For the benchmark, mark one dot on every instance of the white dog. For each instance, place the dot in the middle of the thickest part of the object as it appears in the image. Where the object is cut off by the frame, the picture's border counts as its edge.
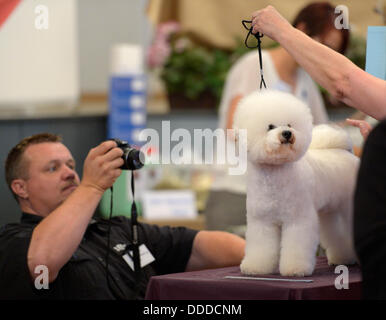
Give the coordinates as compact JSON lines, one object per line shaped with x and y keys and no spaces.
{"x":300,"y":184}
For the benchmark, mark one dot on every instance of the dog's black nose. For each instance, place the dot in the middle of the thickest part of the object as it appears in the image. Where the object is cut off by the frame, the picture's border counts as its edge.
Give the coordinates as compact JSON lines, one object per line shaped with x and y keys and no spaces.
{"x":287,"y":134}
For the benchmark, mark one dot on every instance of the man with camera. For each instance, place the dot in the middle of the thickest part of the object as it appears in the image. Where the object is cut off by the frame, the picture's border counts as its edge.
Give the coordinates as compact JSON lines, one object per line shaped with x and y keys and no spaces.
{"x":57,"y":230}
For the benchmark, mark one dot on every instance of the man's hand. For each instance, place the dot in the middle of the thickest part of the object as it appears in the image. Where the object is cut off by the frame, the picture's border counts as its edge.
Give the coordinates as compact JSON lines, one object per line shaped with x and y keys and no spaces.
{"x":269,"y":22}
{"x":101,"y":167}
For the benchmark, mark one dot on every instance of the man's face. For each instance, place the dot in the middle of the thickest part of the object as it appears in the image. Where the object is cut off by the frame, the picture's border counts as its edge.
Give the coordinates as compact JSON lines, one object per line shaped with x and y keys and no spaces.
{"x":51,"y":176}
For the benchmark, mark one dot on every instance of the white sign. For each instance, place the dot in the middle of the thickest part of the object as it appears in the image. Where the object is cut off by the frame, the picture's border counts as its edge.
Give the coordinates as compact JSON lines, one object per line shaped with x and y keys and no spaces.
{"x":169,"y":204}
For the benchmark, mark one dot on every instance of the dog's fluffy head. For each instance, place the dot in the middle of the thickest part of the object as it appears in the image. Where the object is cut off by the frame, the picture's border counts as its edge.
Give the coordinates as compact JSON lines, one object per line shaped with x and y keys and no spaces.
{"x":279,"y":126}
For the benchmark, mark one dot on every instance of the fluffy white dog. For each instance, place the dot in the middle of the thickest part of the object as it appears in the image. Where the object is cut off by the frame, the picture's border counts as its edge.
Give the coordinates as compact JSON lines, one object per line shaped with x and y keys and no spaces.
{"x":300,"y":184}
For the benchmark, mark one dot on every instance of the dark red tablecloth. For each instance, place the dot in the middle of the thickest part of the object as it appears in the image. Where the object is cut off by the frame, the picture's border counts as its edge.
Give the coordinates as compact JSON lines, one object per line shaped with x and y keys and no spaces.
{"x":212,"y":285}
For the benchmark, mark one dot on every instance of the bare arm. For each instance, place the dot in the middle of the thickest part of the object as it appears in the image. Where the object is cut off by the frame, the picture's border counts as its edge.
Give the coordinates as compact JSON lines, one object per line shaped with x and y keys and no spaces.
{"x":343,"y":79}
{"x":57,"y":236}
{"x":215,"y":249}
{"x":232,"y":109}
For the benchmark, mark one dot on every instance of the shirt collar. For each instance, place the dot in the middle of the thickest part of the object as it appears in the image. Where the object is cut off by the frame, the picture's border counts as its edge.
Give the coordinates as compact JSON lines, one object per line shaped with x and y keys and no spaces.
{"x":30,"y":218}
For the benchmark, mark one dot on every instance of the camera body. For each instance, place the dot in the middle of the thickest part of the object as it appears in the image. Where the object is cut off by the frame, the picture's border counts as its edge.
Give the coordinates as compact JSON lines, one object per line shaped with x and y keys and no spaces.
{"x":133,"y":159}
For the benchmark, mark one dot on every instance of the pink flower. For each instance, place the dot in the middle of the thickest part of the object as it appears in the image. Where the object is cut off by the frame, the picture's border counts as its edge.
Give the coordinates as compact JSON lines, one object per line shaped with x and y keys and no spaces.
{"x":160,"y":49}
{"x":167,"y":28}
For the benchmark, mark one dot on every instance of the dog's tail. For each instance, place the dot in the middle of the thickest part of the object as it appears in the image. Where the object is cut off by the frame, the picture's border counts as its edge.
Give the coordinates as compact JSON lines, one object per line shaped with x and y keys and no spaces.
{"x":330,"y":137}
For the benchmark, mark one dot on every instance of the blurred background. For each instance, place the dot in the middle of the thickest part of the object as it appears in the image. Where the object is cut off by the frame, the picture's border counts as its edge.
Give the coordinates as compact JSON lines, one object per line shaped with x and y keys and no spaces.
{"x":58,"y":60}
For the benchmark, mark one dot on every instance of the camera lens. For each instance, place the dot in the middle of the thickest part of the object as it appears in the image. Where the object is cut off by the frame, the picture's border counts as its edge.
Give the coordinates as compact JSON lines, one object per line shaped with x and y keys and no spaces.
{"x":133,"y":159}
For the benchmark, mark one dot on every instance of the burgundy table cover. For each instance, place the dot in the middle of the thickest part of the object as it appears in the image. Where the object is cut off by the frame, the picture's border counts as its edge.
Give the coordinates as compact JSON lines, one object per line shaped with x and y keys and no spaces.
{"x":211,"y":285}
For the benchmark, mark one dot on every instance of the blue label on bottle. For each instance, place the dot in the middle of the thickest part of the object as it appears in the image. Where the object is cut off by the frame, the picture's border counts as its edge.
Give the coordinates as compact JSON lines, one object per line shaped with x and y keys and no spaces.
{"x":127,"y":108}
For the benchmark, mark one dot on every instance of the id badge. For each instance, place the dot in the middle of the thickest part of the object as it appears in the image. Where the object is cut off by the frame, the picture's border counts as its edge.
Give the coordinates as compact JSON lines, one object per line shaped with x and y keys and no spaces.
{"x":145,"y":256}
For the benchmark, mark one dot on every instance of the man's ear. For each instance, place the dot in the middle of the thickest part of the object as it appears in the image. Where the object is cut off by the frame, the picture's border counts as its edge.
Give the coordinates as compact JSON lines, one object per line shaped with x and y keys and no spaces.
{"x":19,"y":187}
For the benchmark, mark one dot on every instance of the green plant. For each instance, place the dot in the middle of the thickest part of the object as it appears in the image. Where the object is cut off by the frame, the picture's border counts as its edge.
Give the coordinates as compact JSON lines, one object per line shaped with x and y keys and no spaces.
{"x":356,"y":50}
{"x":192,"y":70}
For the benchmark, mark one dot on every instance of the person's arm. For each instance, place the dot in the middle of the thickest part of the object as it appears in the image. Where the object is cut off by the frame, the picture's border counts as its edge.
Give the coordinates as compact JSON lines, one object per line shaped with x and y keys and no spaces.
{"x":57,"y":236}
{"x":215,"y":249}
{"x":232,"y":109}
{"x":333,"y":71}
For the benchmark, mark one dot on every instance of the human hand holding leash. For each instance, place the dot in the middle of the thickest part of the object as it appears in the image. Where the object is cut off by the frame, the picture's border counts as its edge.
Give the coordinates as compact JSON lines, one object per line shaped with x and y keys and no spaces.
{"x":269,"y":22}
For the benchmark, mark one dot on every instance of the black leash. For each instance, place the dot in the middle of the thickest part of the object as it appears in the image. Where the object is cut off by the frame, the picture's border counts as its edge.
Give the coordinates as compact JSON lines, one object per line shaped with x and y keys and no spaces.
{"x":258,"y":36}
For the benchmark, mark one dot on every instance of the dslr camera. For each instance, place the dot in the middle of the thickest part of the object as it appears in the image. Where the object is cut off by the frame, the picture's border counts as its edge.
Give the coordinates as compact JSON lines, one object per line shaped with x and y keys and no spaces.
{"x":133,"y":159}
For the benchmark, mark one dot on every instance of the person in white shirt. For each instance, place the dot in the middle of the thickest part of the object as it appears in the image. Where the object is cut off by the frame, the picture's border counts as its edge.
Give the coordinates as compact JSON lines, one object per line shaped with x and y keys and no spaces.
{"x":244,"y":78}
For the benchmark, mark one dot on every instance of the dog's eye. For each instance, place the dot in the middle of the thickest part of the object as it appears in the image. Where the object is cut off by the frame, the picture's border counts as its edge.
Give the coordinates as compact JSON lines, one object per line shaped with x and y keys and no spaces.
{"x":271,"y":126}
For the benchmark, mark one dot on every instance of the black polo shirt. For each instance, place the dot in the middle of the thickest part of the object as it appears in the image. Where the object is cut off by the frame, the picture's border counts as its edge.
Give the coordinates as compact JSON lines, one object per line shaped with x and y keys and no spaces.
{"x":84,"y":275}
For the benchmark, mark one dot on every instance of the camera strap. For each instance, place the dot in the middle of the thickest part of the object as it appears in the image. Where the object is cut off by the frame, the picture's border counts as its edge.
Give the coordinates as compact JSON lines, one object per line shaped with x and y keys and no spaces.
{"x":134,"y":246}
{"x":134,"y":232}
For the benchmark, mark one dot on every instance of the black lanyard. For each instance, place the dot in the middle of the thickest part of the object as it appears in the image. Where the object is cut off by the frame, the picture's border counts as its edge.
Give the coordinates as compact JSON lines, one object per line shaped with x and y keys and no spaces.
{"x":134,"y":246}
{"x":134,"y":232}
{"x":258,"y":36}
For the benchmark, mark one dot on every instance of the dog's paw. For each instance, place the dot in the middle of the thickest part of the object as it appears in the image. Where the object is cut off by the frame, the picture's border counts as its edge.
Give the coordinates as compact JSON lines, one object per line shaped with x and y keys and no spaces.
{"x":252,"y":267}
{"x":296,"y":268}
